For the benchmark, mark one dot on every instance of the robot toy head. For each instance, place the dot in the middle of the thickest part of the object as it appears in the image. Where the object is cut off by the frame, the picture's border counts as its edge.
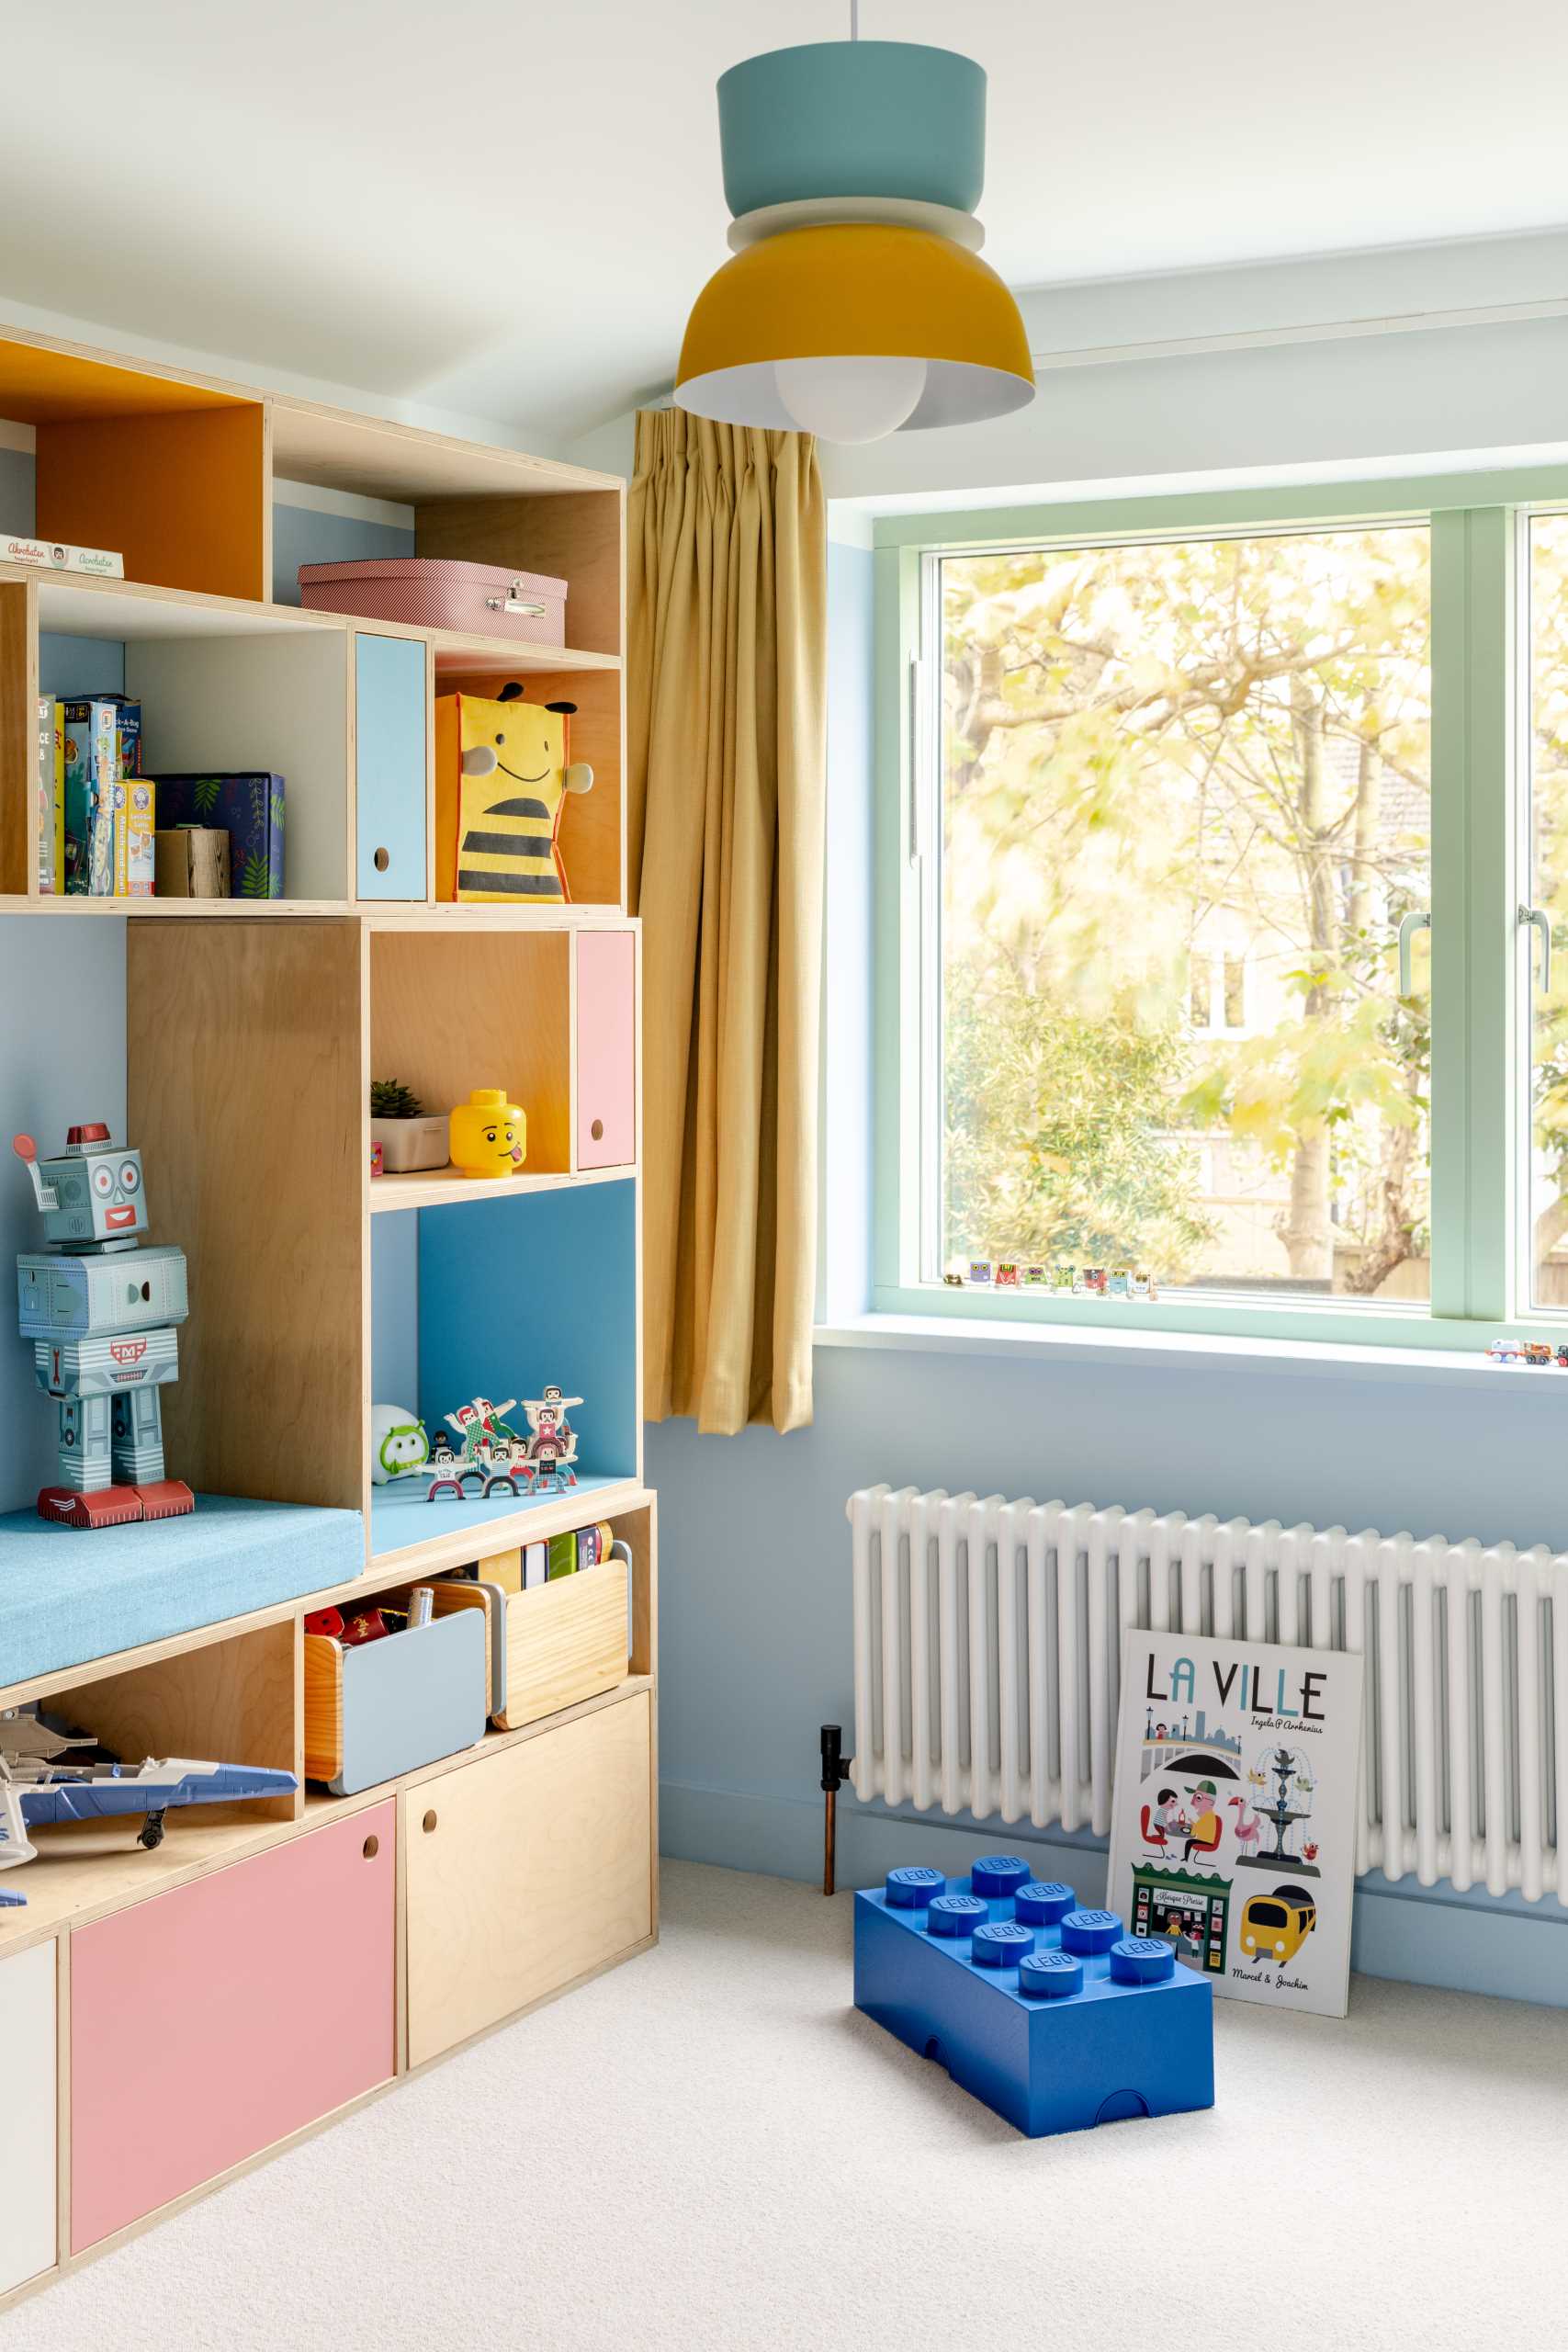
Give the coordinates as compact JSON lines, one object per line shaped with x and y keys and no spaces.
{"x":91,"y":1196}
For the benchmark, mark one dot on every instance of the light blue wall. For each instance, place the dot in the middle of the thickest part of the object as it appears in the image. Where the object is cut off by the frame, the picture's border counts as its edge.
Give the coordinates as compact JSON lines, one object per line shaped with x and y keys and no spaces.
{"x":62,"y":1062}
{"x":755,"y":1613}
{"x":80,"y":665}
{"x":756,"y":1630}
{"x":301,"y":535}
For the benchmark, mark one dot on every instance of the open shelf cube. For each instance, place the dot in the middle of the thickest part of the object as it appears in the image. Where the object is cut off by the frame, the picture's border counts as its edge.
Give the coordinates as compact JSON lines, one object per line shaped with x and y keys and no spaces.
{"x":477,"y":506}
{"x":495,"y":1298}
{"x":225,"y":688}
{"x":167,"y":470}
{"x":592,"y":824}
{"x":450,"y":1011}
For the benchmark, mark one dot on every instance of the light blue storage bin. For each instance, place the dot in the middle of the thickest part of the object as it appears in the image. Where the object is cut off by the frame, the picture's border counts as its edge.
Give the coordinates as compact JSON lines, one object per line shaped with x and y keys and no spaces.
{"x":407,"y":1700}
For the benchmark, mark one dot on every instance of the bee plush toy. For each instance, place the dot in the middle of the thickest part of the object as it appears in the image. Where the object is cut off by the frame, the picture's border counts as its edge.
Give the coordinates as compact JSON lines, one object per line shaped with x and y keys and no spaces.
{"x":503,"y":771}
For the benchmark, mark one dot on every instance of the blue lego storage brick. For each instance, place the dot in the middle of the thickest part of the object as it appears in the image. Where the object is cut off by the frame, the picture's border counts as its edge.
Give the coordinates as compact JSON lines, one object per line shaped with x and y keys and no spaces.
{"x":1052,"y":2015}
{"x":69,"y":1595}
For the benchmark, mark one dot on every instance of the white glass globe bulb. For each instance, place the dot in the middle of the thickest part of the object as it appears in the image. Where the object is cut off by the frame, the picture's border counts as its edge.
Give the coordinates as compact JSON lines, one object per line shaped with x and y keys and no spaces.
{"x":850,"y":399}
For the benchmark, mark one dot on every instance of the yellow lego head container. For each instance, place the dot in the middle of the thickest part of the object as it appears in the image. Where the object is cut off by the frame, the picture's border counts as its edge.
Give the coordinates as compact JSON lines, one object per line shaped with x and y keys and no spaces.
{"x":501,"y":775}
{"x":490,"y":1135}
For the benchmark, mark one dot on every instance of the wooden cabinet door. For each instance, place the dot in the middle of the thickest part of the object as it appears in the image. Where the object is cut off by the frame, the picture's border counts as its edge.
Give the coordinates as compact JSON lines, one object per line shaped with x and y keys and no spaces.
{"x":607,"y":1048}
{"x":209,"y":2023}
{"x":524,"y":1871}
{"x":27,"y":2115}
{"x":389,"y":766}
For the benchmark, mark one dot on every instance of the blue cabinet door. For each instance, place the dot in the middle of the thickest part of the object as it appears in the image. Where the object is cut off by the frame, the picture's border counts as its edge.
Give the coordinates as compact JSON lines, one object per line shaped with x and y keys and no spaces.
{"x":389,"y":724}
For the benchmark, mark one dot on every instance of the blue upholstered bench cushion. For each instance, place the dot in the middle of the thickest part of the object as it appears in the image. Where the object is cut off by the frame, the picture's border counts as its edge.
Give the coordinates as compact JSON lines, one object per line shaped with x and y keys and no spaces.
{"x":68,"y":1594}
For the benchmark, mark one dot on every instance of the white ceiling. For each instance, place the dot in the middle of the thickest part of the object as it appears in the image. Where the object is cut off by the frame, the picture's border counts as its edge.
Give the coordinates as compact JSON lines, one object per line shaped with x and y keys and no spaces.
{"x":505,"y":209}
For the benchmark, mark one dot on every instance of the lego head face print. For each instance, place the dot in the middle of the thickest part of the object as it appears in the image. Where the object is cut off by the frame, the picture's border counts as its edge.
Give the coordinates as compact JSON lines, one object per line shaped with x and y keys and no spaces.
{"x":1232,"y":1826}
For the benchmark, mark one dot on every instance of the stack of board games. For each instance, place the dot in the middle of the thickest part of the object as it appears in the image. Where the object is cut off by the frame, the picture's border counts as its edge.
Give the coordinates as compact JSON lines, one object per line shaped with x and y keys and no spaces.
{"x":104,"y":825}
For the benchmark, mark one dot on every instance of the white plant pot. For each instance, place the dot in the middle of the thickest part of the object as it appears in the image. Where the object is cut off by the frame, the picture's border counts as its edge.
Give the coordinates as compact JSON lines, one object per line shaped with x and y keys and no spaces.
{"x":408,"y":1145}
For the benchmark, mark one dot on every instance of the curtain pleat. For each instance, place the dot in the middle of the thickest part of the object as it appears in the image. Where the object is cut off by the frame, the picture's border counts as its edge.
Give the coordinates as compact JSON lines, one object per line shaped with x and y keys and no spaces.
{"x":727,"y":565}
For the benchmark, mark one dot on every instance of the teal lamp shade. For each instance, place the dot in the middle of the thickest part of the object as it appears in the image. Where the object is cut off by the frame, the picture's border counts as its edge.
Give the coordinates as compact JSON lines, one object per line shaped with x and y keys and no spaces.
{"x":853,"y":118}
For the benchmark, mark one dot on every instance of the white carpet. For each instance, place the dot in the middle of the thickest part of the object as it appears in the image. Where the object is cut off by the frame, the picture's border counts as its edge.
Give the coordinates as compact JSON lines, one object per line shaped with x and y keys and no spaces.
{"x":708,"y":2148}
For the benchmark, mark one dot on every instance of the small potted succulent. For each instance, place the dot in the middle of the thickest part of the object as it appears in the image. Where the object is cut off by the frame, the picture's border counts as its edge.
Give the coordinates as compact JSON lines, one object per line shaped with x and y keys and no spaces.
{"x":410,"y":1137}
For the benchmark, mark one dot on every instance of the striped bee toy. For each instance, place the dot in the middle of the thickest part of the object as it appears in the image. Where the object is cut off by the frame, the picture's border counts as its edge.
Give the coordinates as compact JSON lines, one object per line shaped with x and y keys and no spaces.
{"x":503,"y":771}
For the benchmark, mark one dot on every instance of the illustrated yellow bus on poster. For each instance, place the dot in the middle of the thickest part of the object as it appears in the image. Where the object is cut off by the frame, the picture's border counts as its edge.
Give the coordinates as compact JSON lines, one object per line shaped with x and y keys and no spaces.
{"x":1234,"y":1816}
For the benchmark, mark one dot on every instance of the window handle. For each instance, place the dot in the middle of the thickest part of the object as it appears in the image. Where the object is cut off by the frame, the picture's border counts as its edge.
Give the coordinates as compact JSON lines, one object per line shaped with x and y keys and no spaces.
{"x":1407,"y":931}
{"x":1539,"y":919}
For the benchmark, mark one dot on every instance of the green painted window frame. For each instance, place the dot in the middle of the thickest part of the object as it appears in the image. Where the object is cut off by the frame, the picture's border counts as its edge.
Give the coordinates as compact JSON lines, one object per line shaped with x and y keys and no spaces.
{"x":1479,"y":973}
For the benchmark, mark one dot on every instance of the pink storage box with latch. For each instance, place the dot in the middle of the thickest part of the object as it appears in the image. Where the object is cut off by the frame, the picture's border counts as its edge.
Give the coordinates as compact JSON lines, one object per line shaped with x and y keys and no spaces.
{"x":481,"y":599}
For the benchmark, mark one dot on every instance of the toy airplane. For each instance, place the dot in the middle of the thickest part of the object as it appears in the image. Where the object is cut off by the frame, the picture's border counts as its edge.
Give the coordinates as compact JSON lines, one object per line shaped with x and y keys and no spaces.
{"x":40,"y":1784}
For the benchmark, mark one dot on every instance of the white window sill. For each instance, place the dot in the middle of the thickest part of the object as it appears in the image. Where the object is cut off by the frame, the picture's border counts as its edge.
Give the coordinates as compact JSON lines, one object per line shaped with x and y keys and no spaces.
{"x":1185,"y":1350}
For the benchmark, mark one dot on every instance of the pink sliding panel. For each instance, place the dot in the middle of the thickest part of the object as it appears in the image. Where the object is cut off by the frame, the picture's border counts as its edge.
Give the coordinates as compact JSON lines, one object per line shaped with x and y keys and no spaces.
{"x":607,"y":1048}
{"x":209,"y":2023}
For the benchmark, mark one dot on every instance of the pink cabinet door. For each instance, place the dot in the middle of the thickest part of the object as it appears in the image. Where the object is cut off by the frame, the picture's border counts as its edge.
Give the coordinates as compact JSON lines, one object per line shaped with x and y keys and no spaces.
{"x":607,"y":1048}
{"x":210,"y":2022}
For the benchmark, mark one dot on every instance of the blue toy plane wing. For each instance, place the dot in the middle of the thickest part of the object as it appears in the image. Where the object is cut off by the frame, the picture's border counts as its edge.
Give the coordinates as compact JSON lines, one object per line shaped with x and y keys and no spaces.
{"x":116,"y":1791}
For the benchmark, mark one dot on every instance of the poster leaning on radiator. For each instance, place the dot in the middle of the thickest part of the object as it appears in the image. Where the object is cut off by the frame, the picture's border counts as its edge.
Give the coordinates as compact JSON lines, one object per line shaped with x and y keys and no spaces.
{"x":1233,"y":1827}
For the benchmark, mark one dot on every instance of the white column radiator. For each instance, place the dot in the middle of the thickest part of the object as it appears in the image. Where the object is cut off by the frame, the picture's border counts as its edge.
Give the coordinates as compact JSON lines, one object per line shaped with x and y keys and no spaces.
{"x":987,"y":1663}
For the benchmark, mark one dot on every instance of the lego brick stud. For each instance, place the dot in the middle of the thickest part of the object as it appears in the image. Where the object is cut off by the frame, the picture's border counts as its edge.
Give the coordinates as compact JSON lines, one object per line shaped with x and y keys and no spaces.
{"x":912,"y":1888}
{"x":1050,"y":1976}
{"x":1141,"y":1960}
{"x":995,"y":1876}
{"x":957,"y":1915}
{"x":1089,"y":1931}
{"x":1043,"y":1903}
{"x":1001,"y":1945}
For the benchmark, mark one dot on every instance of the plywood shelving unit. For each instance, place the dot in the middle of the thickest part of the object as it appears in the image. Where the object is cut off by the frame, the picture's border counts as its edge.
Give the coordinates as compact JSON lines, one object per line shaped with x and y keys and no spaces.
{"x":475,"y":1885}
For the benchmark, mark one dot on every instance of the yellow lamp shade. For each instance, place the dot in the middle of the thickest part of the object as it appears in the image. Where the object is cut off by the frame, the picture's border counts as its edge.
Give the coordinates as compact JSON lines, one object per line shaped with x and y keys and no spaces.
{"x":854,"y":330}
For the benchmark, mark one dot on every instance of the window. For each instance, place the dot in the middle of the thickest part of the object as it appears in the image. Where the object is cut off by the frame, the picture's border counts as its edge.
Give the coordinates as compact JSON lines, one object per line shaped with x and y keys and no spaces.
{"x":1232,"y":848}
{"x":1167,"y":768}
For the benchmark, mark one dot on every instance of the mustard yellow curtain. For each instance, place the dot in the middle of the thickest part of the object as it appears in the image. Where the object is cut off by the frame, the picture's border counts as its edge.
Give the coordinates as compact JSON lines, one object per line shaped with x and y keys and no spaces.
{"x":727,"y":695}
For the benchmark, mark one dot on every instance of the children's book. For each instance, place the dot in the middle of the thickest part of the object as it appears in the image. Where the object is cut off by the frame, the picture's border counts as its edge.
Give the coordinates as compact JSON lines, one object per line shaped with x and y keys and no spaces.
{"x":92,"y":762}
{"x":1233,"y":1829}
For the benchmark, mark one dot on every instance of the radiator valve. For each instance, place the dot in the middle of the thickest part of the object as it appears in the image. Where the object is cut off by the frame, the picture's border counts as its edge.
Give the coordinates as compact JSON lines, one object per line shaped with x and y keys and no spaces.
{"x":835,"y":1772}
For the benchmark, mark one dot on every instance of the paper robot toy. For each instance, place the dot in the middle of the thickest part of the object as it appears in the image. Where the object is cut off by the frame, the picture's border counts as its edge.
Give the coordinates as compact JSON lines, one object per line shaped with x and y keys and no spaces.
{"x":102,"y":1324}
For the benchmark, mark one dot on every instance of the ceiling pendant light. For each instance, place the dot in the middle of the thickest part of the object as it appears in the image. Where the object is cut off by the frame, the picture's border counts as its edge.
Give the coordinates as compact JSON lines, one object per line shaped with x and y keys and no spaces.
{"x":856,"y":303}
